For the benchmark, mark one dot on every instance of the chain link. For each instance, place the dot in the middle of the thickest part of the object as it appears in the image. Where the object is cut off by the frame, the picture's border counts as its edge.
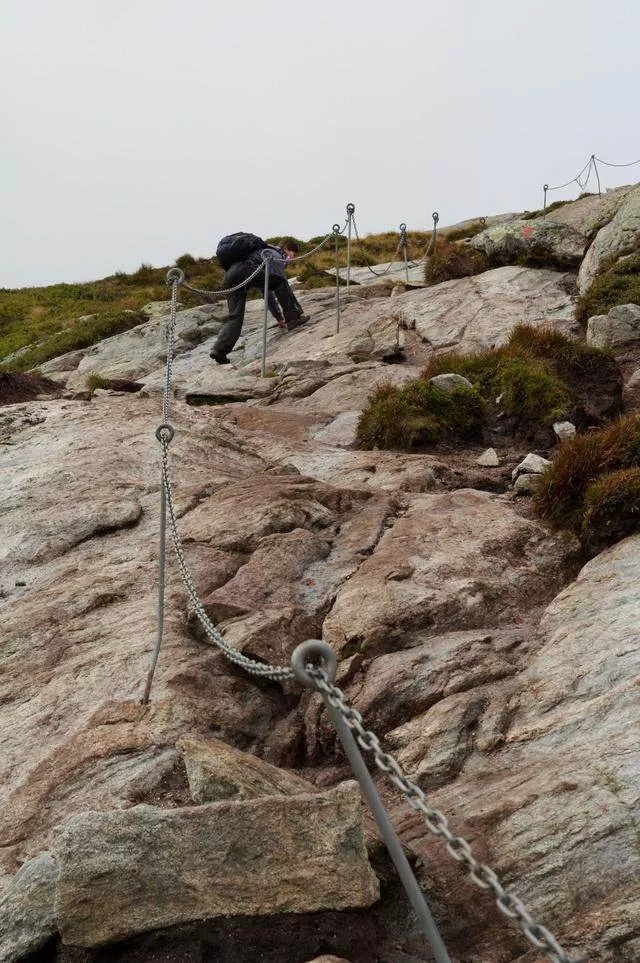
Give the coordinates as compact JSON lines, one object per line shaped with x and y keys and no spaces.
{"x":457,"y":847}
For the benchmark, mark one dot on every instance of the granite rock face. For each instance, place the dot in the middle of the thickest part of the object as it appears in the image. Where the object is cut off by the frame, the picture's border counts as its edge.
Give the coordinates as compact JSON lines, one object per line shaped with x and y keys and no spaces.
{"x":619,"y":235}
{"x":541,"y":238}
{"x":473,"y":314}
{"x":147,"y":868}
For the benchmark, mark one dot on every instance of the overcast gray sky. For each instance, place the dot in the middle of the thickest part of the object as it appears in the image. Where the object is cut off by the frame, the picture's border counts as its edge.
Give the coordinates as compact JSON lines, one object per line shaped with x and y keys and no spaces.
{"x":137,"y":130}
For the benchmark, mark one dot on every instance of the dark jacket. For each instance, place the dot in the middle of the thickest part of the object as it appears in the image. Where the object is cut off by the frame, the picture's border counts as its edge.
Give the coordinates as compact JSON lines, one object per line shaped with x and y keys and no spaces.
{"x":277,"y":274}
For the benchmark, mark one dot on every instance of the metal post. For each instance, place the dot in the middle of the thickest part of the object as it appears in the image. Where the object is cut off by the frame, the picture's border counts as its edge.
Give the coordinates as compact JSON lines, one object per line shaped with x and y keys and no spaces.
{"x":403,"y":241}
{"x":436,"y":218}
{"x":545,"y":188}
{"x":595,"y":167}
{"x":336,"y":237}
{"x":351,"y":209}
{"x":156,"y":652}
{"x":266,"y":257}
{"x":308,"y":652}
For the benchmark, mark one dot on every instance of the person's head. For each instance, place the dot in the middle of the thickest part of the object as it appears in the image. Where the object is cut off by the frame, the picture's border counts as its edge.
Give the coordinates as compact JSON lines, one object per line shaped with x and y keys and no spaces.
{"x":290,"y":246}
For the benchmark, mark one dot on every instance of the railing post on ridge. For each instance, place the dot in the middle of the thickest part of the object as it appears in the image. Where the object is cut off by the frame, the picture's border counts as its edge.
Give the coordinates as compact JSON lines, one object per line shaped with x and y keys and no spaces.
{"x":336,"y":235}
{"x":266,"y":257}
{"x":351,"y":209}
{"x":403,"y":241}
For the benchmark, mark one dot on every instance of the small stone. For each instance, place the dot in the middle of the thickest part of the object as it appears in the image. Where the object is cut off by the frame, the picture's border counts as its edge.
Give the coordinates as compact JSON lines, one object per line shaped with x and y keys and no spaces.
{"x":531,"y":465}
{"x":526,"y":484}
{"x":401,"y":573}
{"x":449,"y":382}
{"x":564,"y":430}
{"x":488,"y":459}
{"x":215,"y":770}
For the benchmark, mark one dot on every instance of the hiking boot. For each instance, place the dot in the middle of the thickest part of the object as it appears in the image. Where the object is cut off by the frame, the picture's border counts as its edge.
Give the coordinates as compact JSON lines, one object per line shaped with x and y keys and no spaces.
{"x":219,"y":357}
{"x":297,"y":322}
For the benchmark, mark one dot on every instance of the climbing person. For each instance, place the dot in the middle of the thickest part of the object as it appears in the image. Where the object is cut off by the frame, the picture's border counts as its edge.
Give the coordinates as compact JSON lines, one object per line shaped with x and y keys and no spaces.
{"x":240,"y":254}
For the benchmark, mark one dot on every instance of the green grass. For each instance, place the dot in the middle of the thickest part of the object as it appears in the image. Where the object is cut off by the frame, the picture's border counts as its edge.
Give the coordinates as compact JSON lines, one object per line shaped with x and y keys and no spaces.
{"x":532,"y":215}
{"x":619,"y":283}
{"x":452,"y":260}
{"x":536,"y":375}
{"x":460,"y":233}
{"x":418,"y":415}
{"x":593,"y":484}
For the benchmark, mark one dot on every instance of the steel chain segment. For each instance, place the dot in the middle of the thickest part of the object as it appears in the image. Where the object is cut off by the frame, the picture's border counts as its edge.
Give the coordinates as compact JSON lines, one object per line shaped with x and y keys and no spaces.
{"x":457,"y":847}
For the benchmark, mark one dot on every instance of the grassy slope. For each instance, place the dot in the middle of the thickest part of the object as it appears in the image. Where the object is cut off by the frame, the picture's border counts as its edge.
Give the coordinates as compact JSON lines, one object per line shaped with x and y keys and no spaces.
{"x":46,"y":321}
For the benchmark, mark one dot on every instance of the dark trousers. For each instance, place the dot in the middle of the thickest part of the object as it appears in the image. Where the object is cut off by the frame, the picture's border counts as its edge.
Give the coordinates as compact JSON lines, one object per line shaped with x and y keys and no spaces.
{"x":236,"y":302}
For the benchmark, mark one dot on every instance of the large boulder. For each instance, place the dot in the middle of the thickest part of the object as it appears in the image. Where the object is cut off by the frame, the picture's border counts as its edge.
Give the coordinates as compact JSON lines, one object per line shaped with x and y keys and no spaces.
{"x":543,"y":240}
{"x":135,"y":353}
{"x":619,"y":236}
{"x":123,"y":873}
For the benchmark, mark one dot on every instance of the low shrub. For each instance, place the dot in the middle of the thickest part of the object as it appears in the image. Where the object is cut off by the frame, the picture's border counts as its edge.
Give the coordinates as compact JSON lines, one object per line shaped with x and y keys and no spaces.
{"x":540,"y":375}
{"x":618,"y":284}
{"x":452,"y":260}
{"x":578,"y":463}
{"x":611,"y":508}
{"x":529,"y":393}
{"x":97,"y":381}
{"x":17,"y":386}
{"x":418,"y":415}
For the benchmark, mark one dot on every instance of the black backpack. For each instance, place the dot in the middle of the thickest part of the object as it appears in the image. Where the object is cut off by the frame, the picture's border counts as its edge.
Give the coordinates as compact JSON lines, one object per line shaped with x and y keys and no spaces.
{"x":237,"y":247}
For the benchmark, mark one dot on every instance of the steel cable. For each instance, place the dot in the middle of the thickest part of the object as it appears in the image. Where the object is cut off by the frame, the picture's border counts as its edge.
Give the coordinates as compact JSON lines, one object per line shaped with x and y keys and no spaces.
{"x":607,"y":164}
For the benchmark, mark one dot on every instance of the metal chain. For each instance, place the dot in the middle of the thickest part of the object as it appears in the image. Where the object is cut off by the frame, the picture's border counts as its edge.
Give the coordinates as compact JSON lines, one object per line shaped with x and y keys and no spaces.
{"x":223,"y":291}
{"x":322,"y":243}
{"x":164,"y":434}
{"x":378,"y":274}
{"x":457,"y":847}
